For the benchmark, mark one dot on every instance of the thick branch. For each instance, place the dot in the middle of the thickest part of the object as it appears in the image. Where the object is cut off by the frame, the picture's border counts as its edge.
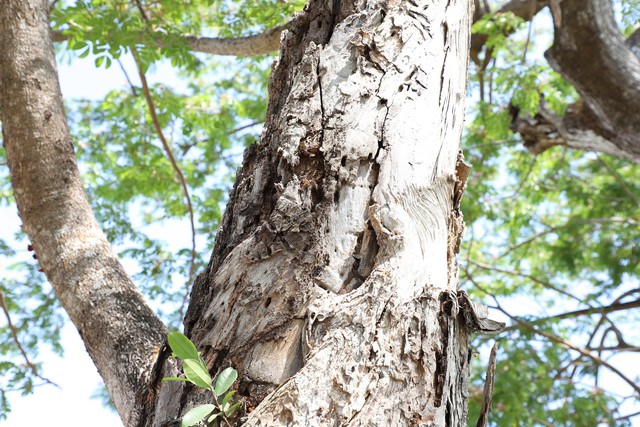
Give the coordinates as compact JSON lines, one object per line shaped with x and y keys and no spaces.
{"x":258,"y":44}
{"x":575,"y":129}
{"x":119,"y":330}
{"x":578,"y":128}
{"x":591,"y":54}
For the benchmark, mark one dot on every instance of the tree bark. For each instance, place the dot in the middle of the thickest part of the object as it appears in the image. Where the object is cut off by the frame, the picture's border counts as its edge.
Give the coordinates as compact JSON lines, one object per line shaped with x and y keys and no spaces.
{"x":332,"y":286}
{"x":120,"y":332}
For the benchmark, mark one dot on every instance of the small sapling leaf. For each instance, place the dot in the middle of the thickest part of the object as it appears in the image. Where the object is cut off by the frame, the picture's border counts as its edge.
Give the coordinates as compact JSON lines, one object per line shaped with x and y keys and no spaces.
{"x":225,"y":400}
{"x":196,"y":373}
{"x":195,"y":415}
{"x":182,"y":347}
{"x":214,"y":416}
{"x":225,"y":379}
{"x":230,"y":411}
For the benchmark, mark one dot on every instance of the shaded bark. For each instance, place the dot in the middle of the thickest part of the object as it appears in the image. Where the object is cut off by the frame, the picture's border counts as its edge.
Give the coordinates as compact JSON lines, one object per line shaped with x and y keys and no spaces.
{"x":120,"y":332}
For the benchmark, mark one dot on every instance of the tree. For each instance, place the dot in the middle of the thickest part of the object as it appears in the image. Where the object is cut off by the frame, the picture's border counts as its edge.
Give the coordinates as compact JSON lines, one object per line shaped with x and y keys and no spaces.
{"x":326,"y":261}
{"x":323,"y":286}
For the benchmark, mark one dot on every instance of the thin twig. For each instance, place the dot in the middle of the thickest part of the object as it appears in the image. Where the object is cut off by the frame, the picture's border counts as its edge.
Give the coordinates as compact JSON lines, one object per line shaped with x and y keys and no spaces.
{"x":594,"y":310}
{"x":187,"y":147}
{"x":626,"y":417}
{"x":573,"y":222}
{"x":625,"y":348}
{"x":14,"y":335}
{"x":619,"y":180}
{"x":491,"y":71}
{"x":566,"y":344}
{"x":143,"y":12}
{"x":126,"y":76}
{"x":176,"y":168}
{"x":526,"y":45}
{"x":526,"y":276}
{"x":604,"y":317}
{"x":522,"y":181}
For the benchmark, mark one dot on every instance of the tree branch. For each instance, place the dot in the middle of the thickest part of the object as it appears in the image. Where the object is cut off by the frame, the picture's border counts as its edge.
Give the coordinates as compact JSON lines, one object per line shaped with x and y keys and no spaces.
{"x":121,"y":333}
{"x":525,"y":9}
{"x":174,"y":165}
{"x":593,"y":310}
{"x":487,"y":394}
{"x":520,"y":274}
{"x":258,"y":44}
{"x":564,"y":343}
{"x":574,"y":222}
{"x":592,"y":55}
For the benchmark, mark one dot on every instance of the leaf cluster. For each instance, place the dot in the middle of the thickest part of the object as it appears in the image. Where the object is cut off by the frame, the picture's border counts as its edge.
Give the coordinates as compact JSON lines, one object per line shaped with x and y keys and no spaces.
{"x":196,"y":373}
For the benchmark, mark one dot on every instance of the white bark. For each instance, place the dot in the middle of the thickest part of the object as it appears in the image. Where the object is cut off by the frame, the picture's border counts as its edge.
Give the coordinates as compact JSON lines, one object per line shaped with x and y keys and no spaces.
{"x":333,"y":284}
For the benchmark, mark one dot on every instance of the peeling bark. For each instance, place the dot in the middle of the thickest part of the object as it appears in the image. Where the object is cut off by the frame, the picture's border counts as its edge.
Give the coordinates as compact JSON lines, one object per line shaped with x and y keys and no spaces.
{"x":574,"y":129}
{"x":332,"y":287}
{"x":120,"y":332}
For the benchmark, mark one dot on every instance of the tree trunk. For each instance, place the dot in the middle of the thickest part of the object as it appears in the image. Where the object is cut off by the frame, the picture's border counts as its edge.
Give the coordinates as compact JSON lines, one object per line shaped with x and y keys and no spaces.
{"x":332,"y":287}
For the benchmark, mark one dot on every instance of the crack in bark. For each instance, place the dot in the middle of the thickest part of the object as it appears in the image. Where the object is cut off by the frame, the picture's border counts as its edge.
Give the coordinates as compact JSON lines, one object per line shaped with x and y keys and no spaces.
{"x":445,"y":28}
{"x":381,"y":140}
{"x":149,"y":396}
{"x":322,"y":112}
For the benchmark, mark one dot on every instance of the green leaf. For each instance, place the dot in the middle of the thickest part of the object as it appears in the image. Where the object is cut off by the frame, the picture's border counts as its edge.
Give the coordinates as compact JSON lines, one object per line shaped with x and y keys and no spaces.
{"x":230,"y":411}
{"x":175,"y":379}
{"x":225,"y":400}
{"x":197,"y":373}
{"x":182,"y":346}
{"x":214,"y":416}
{"x":195,"y":415}
{"x":224,"y":380}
